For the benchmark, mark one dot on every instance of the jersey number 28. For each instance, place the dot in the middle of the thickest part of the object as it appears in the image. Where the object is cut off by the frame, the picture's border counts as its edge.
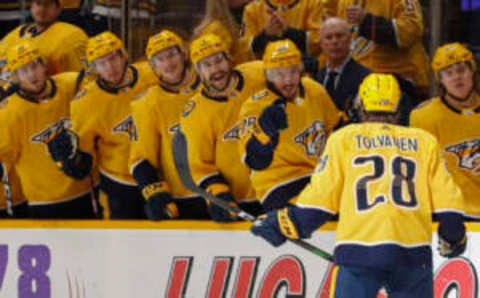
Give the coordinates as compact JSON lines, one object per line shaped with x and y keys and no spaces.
{"x":403,"y":173}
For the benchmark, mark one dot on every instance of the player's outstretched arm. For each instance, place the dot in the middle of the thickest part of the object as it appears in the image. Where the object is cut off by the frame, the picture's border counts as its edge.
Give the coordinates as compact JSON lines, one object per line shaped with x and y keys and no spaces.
{"x":290,"y":222}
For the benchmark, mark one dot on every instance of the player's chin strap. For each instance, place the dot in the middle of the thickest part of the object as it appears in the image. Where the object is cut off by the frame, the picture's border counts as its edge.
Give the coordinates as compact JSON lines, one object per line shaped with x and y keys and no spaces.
{"x":181,"y":163}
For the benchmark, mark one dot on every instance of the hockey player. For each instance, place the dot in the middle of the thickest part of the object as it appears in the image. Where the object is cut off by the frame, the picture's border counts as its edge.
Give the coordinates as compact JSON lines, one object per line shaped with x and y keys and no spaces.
{"x":284,"y":127}
{"x":384,"y":181}
{"x":454,"y":118}
{"x":157,"y":118}
{"x":210,"y":124}
{"x":29,"y":119}
{"x":62,"y":44}
{"x":388,"y":38}
{"x":271,"y":20}
{"x":102,"y":126}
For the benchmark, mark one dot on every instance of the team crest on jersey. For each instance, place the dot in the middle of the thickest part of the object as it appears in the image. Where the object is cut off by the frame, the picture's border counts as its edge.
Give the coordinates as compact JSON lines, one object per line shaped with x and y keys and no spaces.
{"x":173,"y":129}
{"x":127,"y":126}
{"x":468,"y":154}
{"x":312,"y":138}
{"x":47,"y":134}
{"x":232,"y":134}
{"x":260,"y":95}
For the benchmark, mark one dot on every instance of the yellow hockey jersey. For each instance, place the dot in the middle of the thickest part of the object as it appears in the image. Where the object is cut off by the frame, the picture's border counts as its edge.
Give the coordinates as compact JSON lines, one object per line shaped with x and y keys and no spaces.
{"x":16,"y":192}
{"x":385,"y":182}
{"x":103,"y":120}
{"x":62,"y":44}
{"x":212,"y":129}
{"x":26,"y":127}
{"x":301,"y":14}
{"x":157,"y":118}
{"x":409,"y":59}
{"x":458,"y":133}
{"x":311,"y":118}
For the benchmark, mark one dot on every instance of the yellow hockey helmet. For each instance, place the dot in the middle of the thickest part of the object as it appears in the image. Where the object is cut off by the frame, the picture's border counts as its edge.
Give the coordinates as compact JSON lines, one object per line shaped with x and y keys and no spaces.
{"x":206,"y":45}
{"x":380,"y":93}
{"x":161,"y":41}
{"x":216,"y":27}
{"x":21,"y":54}
{"x":103,"y":44}
{"x":449,"y":54}
{"x":282,"y":53}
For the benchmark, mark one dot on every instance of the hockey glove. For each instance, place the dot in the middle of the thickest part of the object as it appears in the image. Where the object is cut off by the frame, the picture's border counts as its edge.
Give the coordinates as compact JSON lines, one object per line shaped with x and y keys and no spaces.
{"x":159,"y":203}
{"x":63,"y":146}
{"x":275,"y":227}
{"x":273,"y":119}
{"x":451,"y":250}
{"x":218,"y":213}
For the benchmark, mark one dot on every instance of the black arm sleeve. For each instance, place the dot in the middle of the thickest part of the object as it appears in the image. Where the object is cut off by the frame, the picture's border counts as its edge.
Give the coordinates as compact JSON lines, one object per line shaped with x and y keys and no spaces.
{"x":451,"y":226}
{"x":79,"y":166}
{"x":145,"y":173}
{"x":260,"y":156}
{"x":378,"y":29}
{"x":307,"y":220}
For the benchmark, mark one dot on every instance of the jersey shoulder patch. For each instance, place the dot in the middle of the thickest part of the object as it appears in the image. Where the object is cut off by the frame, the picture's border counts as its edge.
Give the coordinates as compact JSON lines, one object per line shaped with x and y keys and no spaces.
{"x":189,"y":107}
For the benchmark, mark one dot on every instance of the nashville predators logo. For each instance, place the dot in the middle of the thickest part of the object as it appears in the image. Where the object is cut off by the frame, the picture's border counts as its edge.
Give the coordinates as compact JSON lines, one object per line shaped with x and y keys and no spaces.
{"x":468,"y":154}
{"x":47,"y":134}
{"x":173,"y":129}
{"x":232,"y":134}
{"x":312,"y":138}
{"x":127,"y":126}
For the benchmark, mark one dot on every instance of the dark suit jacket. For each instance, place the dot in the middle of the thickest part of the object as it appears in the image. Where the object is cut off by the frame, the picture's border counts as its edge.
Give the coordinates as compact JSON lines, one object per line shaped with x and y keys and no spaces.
{"x":349,"y":81}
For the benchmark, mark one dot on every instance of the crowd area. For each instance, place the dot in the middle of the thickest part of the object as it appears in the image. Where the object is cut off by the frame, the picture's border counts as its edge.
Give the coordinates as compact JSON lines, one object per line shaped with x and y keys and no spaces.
{"x":257,"y":90}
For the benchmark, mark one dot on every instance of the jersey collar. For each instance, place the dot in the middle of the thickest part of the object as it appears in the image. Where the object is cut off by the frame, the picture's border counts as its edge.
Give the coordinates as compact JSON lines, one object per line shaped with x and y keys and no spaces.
{"x":460,"y":111}
{"x":239,"y":88}
{"x":193,"y":86}
{"x":31,"y":98}
{"x":114,"y":90}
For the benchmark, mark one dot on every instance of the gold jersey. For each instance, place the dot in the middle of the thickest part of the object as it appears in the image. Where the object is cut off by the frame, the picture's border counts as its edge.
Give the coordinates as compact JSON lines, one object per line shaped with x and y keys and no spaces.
{"x":212,"y":129}
{"x":16,"y":193}
{"x":306,"y":15}
{"x":409,"y":59}
{"x":103,"y":120}
{"x":63,"y":45}
{"x":458,"y":133}
{"x":157,"y":118}
{"x":311,"y":117}
{"x":386,"y":179}
{"x":27,"y":126}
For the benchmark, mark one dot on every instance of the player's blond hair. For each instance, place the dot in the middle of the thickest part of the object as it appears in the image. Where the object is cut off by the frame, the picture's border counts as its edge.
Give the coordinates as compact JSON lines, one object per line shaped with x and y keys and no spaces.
{"x":218,"y":10}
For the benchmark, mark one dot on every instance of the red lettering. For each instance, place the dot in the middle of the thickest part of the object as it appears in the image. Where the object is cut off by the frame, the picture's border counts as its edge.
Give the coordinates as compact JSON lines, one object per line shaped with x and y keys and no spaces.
{"x":326,"y":285}
{"x":285,"y":272}
{"x":456,"y":275}
{"x":178,"y":278}
{"x":247,"y":273}
{"x":218,"y":282}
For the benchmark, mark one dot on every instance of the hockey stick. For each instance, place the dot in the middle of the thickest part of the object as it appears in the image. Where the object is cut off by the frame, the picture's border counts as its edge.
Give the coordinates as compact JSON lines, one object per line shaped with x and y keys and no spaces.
{"x":8,"y":191}
{"x":181,"y":163}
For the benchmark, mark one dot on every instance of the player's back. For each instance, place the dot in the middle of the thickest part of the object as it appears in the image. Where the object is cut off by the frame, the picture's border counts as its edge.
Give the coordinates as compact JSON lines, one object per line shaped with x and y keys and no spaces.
{"x":384,"y":181}
{"x":387,"y":185}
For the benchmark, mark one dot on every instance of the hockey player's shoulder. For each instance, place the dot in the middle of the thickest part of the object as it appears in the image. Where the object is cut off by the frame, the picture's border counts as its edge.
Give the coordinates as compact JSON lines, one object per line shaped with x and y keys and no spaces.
{"x":67,"y":30}
{"x":427,"y":104}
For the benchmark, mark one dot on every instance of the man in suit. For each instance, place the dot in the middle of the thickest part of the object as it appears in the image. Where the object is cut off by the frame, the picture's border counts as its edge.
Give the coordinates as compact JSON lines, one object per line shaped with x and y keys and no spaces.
{"x":342,"y":75}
